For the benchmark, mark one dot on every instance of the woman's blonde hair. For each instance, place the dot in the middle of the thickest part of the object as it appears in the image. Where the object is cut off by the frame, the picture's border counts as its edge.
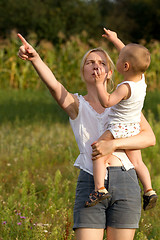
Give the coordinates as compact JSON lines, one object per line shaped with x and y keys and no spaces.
{"x":110,"y":63}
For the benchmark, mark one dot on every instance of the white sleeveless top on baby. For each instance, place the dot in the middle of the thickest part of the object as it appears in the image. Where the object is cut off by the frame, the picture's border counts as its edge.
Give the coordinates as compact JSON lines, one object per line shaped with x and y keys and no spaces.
{"x":88,"y":127}
{"x":124,"y":117}
{"x":129,"y":110}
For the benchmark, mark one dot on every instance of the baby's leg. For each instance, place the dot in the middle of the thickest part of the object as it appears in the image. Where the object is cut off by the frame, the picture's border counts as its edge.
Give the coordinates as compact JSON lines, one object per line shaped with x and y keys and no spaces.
{"x":141,"y":169}
{"x":99,"y":165}
{"x":150,"y":196}
{"x":99,"y":172}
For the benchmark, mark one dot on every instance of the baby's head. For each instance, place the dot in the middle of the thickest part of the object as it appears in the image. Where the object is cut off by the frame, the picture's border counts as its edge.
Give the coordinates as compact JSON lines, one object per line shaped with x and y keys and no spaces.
{"x":137,"y":56}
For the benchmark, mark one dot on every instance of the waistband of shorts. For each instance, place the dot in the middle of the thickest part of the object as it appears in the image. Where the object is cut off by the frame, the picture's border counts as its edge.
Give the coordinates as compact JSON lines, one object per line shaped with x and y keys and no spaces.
{"x":118,"y":168}
{"x":110,"y":169}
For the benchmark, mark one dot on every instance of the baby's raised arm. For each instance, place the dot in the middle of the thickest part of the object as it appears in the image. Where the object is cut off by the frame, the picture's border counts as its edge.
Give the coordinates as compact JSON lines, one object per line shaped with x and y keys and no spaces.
{"x":112,"y":37}
{"x":122,"y":92}
{"x":65,"y":99}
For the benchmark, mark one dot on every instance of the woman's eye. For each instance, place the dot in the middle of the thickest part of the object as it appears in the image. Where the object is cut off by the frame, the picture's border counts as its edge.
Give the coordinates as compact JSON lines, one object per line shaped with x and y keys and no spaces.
{"x":89,"y":63}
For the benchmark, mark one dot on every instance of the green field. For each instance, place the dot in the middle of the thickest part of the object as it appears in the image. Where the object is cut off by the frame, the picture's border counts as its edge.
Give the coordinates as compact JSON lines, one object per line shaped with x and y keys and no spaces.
{"x":38,"y":180}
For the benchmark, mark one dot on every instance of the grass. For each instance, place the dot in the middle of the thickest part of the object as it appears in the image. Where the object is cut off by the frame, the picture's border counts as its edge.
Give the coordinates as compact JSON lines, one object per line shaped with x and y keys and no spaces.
{"x":37,"y":153}
{"x":38,"y":180}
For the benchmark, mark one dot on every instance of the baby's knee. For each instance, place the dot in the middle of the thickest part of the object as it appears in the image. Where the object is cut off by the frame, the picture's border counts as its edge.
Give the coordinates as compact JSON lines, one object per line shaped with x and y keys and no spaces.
{"x":138,"y":164}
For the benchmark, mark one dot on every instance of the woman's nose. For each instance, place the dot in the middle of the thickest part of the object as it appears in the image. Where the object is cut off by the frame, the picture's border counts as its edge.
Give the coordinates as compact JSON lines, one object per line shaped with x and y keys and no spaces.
{"x":96,"y":66}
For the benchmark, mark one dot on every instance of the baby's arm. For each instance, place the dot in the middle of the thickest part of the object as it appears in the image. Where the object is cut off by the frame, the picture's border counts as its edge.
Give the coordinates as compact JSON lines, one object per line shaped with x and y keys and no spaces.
{"x":112,"y":37}
{"x":108,"y":100}
{"x":66,"y":100}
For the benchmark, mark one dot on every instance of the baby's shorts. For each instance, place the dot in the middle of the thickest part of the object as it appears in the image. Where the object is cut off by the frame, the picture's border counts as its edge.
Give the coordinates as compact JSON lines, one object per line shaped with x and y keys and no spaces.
{"x":122,"y":210}
{"x":123,"y":130}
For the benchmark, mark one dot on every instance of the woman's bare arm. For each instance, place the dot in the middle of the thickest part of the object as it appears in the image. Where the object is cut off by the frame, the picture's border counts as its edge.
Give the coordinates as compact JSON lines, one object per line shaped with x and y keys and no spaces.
{"x":65,"y":99}
{"x":145,"y":138}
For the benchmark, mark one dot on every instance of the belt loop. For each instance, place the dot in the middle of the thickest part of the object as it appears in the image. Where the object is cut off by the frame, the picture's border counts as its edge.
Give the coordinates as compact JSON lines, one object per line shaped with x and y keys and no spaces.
{"x":123,"y":168}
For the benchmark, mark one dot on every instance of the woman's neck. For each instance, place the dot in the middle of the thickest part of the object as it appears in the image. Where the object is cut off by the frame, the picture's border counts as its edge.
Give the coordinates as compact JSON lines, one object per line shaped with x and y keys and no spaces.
{"x":92,"y":98}
{"x":91,"y":95}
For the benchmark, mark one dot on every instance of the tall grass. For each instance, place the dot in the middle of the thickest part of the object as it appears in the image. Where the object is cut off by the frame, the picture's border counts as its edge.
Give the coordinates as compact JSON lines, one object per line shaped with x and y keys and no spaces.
{"x":37,"y":152}
{"x":64,"y":60}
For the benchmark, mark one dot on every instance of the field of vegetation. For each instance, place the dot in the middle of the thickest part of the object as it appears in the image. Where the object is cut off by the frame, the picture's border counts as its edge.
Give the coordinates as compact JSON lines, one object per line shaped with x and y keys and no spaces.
{"x":38,"y":149}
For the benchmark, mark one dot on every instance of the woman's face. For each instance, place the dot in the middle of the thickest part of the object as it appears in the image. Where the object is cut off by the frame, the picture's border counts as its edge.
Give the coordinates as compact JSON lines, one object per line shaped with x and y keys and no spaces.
{"x":94,"y":61}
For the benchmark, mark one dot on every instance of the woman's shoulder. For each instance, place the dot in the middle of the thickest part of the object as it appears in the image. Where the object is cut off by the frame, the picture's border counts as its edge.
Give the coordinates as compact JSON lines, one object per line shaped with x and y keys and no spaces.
{"x":79,"y":98}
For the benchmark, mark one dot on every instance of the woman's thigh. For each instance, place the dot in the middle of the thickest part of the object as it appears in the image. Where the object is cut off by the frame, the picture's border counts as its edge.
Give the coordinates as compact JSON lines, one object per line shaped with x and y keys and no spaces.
{"x":120,"y":234}
{"x":92,"y":217}
{"x":89,"y":233}
{"x":124,"y":209}
{"x":97,"y":234}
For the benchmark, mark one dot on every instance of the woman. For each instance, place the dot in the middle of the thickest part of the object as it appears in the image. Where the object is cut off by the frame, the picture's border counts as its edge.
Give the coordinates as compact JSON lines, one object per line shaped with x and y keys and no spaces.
{"x":119,"y":215}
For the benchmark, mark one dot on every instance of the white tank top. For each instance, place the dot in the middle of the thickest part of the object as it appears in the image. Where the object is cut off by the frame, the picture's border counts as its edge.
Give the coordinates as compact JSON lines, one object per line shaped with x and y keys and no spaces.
{"x":129,"y":110}
{"x":88,"y":127}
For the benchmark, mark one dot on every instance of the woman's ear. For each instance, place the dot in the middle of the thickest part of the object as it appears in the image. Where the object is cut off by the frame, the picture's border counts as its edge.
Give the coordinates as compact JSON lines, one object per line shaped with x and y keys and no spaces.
{"x":109,"y":82}
{"x":109,"y":75}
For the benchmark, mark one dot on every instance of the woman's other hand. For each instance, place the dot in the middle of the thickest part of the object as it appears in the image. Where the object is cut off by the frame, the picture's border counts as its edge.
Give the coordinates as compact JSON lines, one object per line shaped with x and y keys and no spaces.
{"x":102,"y":148}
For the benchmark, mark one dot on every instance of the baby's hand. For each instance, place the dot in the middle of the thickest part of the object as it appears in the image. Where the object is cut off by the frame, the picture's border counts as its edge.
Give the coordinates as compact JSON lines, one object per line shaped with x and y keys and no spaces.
{"x":110,"y":35}
{"x":100,"y":75}
{"x":26,"y":51}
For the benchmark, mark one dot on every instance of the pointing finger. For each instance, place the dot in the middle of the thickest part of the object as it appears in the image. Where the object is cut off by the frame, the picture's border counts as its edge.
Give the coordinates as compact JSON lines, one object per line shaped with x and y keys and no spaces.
{"x":23,"y":40}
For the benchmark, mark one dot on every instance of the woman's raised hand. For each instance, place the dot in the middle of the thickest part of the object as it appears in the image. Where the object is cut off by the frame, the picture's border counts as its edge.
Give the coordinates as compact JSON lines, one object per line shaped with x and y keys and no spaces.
{"x":26,"y":51}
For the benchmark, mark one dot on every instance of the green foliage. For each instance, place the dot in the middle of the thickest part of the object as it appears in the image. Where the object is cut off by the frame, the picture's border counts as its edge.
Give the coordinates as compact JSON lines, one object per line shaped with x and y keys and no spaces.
{"x":71,"y":17}
{"x":21,"y":212}
{"x":48,"y":18}
{"x":37,"y":188}
{"x":64,"y":59}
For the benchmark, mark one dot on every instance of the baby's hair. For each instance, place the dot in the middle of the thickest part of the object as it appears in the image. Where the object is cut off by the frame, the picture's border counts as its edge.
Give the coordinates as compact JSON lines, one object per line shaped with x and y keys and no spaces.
{"x":110,"y":64}
{"x":138,"y":56}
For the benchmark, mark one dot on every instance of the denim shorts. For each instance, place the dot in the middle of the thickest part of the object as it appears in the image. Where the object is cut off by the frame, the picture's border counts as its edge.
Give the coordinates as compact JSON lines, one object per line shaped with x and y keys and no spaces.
{"x":122,"y":210}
